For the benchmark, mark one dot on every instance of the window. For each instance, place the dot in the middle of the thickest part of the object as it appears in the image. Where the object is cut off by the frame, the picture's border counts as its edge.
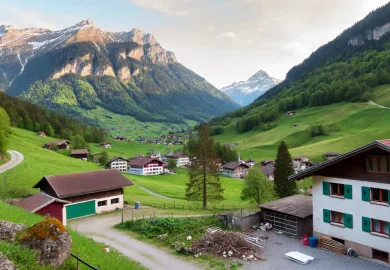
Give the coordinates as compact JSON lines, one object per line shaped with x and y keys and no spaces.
{"x":337,"y":217}
{"x":379,"y":226}
{"x":380,"y":195}
{"x":102,"y":203}
{"x":379,"y":164}
{"x":337,"y":189}
{"x":380,"y":255}
{"x":115,"y":201}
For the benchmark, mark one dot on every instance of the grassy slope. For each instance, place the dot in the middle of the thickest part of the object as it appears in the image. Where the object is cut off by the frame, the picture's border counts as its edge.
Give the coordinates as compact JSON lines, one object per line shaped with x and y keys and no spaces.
{"x":89,"y":250}
{"x":381,"y":95}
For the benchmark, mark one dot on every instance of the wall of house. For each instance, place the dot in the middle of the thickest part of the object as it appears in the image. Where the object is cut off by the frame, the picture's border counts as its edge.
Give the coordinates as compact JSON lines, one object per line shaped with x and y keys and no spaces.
{"x":119,"y":164}
{"x":53,"y":210}
{"x":110,"y":206}
{"x":183,"y":161}
{"x":356,"y":207}
{"x":96,"y":195}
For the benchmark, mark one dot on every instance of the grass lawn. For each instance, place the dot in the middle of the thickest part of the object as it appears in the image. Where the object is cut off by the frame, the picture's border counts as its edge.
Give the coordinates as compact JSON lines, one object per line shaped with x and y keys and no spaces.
{"x":6,"y":159}
{"x":380,"y":95}
{"x":88,"y":250}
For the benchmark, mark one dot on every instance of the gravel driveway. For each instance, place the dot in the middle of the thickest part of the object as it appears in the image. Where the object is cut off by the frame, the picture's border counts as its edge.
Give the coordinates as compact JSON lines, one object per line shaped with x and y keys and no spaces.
{"x":100,"y":228}
{"x":278,"y":245}
{"x":16,"y":159}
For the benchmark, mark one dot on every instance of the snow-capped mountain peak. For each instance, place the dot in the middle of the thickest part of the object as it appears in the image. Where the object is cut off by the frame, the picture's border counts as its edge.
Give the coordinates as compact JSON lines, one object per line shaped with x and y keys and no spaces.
{"x":245,"y":92}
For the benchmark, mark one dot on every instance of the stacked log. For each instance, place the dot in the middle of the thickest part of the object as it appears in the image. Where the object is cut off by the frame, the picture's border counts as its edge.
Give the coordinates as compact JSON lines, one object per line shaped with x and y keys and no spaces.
{"x":332,"y":245}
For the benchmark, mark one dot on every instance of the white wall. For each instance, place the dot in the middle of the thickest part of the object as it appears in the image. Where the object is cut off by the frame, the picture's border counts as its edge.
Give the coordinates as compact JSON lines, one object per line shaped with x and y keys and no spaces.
{"x":356,"y":207}
{"x":109,"y":206}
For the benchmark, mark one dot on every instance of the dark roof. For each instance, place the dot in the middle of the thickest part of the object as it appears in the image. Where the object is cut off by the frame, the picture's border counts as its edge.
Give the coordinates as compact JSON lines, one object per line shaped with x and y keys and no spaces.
{"x":115,"y":158}
{"x":69,"y":185}
{"x":58,"y":143}
{"x":37,"y":202}
{"x":297,"y":205}
{"x":268,"y":170}
{"x":79,"y":152}
{"x":331,"y":154}
{"x":141,"y":161}
{"x":176,"y":155}
{"x":233,"y":165}
{"x":308,"y":172}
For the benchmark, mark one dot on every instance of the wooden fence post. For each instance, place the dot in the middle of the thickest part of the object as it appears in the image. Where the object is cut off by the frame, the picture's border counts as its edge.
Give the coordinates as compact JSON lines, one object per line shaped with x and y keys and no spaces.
{"x":122,"y":217}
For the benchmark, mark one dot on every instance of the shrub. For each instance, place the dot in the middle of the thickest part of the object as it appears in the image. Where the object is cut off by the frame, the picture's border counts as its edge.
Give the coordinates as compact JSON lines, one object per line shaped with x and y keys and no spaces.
{"x":317,"y":130}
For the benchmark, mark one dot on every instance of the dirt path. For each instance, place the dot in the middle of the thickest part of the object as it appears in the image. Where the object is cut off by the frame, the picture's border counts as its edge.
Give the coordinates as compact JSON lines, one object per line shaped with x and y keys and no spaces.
{"x":16,"y":159}
{"x":100,"y":229}
{"x":153,"y":193}
{"x":380,"y":106}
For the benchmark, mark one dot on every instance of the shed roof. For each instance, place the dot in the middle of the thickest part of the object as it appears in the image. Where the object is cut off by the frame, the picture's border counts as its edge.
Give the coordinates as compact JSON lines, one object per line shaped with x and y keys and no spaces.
{"x":79,"y":152}
{"x":141,"y":161}
{"x":38,"y":201}
{"x":233,"y":165}
{"x":69,"y":185}
{"x":268,"y":170}
{"x":297,"y":205}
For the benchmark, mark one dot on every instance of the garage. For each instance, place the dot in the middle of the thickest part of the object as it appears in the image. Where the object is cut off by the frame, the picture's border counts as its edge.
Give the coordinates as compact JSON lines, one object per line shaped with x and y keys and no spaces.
{"x":291,"y":215}
{"x":81,"y":209}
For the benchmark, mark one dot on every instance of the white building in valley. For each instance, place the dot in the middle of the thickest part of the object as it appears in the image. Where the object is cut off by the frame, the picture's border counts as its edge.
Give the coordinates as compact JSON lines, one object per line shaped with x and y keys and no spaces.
{"x":118,"y":163}
{"x":234,"y":169}
{"x":351,"y":199}
{"x":181,"y":159}
{"x":146,"y":166}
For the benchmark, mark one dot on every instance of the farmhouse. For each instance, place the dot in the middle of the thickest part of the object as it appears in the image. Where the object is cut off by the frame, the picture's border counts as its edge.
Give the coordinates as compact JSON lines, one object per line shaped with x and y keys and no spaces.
{"x":351,"y":199}
{"x":146,"y":166}
{"x":62,"y":145}
{"x":80,"y":154}
{"x":330,"y":155}
{"x":234,"y":169}
{"x":118,"y":163}
{"x":292,"y":215}
{"x":180,"y":158}
{"x":105,"y":145}
{"x":41,"y":133}
{"x":250,"y":162}
{"x":269,"y":172}
{"x":70,"y":196}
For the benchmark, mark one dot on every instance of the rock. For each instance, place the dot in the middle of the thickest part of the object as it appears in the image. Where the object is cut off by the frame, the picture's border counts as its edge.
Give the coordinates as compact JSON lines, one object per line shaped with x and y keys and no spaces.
{"x":6,"y":264}
{"x":186,"y":251}
{"x":9,"y":230}
{"x":51,"y":238}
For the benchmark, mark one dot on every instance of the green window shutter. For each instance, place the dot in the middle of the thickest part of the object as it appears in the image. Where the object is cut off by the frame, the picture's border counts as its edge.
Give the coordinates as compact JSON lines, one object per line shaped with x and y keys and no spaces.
{"x":326,"y":214}
{"x":348,"y":191}
{"x":388,"y":198}
{"x":348,"y":221}
{"x":325,"y":188}
{"x":366,"y":224}
{"x":366,"y":194}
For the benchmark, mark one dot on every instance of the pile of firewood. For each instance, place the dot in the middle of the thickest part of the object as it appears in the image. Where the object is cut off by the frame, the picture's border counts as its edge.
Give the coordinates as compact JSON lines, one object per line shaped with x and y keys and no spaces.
{"x":332,"y":245}
{"x":227,"y":244}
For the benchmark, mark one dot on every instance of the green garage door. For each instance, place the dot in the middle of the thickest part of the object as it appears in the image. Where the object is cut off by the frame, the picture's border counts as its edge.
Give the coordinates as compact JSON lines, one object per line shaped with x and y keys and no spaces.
{"x":80,"y":209}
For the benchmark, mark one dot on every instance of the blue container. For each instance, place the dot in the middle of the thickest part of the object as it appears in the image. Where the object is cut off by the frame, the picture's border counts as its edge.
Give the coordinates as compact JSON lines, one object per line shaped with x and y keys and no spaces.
{"x":137,"y":205}
{"x":313,"y":241}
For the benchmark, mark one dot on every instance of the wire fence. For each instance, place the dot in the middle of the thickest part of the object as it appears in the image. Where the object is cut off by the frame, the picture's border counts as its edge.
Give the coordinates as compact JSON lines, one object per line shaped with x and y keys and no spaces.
{"x":199,"y":206}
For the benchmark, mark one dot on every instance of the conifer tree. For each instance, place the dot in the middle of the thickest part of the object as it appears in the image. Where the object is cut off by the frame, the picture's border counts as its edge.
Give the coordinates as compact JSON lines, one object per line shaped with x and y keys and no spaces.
{"x":204,"y":184}
{"x":283,"y":169}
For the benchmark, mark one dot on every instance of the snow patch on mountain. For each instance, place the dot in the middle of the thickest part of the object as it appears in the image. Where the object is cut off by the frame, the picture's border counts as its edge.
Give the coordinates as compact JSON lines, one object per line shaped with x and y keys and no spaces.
{"x":245,"y":92}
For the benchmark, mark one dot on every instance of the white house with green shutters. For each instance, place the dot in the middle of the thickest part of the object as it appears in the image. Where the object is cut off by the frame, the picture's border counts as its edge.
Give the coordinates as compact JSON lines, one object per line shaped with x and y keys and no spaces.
{"x":351,"y":199}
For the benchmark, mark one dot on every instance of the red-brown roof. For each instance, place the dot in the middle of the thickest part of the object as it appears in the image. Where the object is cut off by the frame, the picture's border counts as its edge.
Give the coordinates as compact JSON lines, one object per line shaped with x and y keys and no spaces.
{"x":385,"y":142}
{"x":142,"y":161}
{"x":267,"y":170}
{"x":37,"y":202}
{"x":69,"y":185}
{"x":79,"y":152}
{"x":233,"y":165}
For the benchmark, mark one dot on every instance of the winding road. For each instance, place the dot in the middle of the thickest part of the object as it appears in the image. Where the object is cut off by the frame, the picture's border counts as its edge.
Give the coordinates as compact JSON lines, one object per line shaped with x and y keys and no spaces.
{"x":380,"y":106}
{"x":16,"y":159}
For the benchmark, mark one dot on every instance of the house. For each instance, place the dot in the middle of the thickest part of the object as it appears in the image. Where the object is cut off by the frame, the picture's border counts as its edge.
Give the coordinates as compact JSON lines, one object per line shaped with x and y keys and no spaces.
{"x":105,"y":145}
{"x":41,"y":133}
{"x":267,"y":162}
{"x":289,"y":113}
{"x":61,"y":145}
{"x":330,"y":155}
{"x":80,"y":154}
{"x":70,"y":196}
{"x":219,"y":162}
{"x":118,"y":163}
{"x":251,"y":163}
{"x":351,"y":199}
{"x":181,"y":159}
{"x":269,"y":172}
{"x":235,"y":169}
{"x":292,"y":215}
{"x":146,"y":166}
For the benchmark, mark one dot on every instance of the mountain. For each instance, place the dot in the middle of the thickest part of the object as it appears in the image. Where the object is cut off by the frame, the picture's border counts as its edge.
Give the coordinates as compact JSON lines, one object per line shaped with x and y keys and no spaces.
{"x":245,"y":92}
{"x":344,"y":70}
{"x":127,"y":73}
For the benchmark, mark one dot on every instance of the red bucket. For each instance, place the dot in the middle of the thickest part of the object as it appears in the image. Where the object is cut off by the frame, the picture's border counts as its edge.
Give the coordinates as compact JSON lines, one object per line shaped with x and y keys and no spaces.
{"x":305,"y":240}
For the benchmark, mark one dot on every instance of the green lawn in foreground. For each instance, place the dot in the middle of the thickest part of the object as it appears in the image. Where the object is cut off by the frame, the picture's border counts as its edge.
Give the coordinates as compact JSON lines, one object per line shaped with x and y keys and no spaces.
{"x":88,"y":250}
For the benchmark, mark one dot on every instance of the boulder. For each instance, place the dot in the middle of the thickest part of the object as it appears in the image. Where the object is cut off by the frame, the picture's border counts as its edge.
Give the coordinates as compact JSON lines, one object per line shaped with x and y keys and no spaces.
{"x":9,"y":230}
{"x":6,"y":264}
{"x":51,"y":239}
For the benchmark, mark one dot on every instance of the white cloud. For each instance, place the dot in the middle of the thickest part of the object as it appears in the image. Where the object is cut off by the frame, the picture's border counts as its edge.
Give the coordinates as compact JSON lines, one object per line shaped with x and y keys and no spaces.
{"x":211,"y":28}
{"x":229,"y":35}
{"x":175,"y":8}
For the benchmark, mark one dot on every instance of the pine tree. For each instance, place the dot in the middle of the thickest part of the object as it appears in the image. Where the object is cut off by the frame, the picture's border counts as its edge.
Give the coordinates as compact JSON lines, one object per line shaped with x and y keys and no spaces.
{"x":204,"y":184}
{"x":283,"y":169}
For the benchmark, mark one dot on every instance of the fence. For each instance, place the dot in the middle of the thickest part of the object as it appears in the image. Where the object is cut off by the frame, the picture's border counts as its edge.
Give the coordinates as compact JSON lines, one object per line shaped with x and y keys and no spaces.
{"x":83,"y":262}
{"x":197,"y":206}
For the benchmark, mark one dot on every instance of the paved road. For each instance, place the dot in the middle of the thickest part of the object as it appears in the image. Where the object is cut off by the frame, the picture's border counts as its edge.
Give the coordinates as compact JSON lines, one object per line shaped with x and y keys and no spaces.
{"x":16,"y":159}
{"x":153,"y":193}
{"x":100,"y":228}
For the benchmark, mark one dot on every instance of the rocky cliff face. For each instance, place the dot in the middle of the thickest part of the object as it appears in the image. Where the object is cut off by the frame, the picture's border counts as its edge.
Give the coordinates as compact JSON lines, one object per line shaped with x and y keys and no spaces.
{"x":245,"y":92}
{"x":371,"y":34}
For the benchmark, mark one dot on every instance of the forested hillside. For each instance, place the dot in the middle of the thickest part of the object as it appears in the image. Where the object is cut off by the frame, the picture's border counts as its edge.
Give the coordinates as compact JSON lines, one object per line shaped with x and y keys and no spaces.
{"x":345,"y":69}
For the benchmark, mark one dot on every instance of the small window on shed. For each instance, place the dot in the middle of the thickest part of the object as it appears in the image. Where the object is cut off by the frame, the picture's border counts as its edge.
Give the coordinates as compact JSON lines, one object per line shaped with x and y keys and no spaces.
{"x":115,"y":201}
{"x":102,"y":203}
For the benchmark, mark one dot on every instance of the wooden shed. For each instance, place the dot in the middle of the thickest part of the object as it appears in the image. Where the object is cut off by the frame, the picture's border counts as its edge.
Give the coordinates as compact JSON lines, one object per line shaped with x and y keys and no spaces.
{"x":292,"y":215}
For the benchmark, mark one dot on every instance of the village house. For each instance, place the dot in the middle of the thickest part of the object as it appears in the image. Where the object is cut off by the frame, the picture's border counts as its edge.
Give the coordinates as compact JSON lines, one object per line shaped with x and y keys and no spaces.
{"x":181,"y":159}
{"x":235,"y":170}
{"x":330,"y":155}
{"x":289,"y":113}
{"x":70,"y":196}
{"x":61,"y":145}
{"x":250,"y":162}
{"x":351,"y":199}
{"x":80,"y":154}
{"x":118,"y":163}
{"x":269,"y":172}
{"x":105,"y":145}
{"x":146,"y":166}
{"x":300,"y":164}
{"x":41,"y":133}
{"x":267,"y":162}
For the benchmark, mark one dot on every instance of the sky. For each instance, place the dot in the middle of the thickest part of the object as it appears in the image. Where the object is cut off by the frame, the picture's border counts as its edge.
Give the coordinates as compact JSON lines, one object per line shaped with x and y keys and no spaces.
{"x":222,"y":40}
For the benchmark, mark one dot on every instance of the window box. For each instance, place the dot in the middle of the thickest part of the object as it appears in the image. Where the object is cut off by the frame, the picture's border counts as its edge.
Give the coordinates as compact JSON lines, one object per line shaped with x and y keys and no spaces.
{"x":337,"y":224}
{"x":380,"y":234}
{"x":337,"y":197}
{"x":380,"y":203}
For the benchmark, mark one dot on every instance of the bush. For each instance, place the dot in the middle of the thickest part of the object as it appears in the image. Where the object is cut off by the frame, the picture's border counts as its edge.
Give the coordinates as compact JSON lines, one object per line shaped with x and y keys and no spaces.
{"x":216,"y":130}
{"x":318,"y":130}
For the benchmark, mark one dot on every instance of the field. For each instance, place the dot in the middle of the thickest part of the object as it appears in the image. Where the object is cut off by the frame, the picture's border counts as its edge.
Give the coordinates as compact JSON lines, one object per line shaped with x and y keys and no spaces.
{"x":88,"y":249}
